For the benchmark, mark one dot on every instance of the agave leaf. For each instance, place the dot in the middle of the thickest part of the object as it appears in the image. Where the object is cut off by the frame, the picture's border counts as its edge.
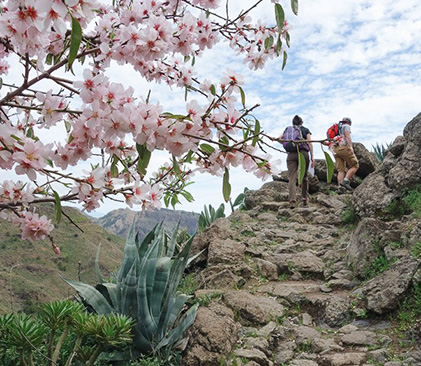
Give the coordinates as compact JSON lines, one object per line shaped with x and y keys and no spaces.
{"x":91,"y":296}
{"x":173,"y":241}
{"x":130,"y":253}
{"x":173,"y":312}
{"x":109,"y":291}
{"x":128,"y":304}
{"x":163,"y":267}
{"x":175,"y":334}
{"x":147,"y":240}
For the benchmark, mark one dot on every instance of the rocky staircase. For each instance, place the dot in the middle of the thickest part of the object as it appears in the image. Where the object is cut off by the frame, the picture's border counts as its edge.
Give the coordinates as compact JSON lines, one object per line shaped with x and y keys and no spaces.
{"x":277,"y":289}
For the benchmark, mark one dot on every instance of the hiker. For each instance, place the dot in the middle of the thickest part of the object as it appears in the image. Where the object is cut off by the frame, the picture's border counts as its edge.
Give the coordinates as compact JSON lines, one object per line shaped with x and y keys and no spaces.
{"x":297,"y":132}
{"x":344,"y":155}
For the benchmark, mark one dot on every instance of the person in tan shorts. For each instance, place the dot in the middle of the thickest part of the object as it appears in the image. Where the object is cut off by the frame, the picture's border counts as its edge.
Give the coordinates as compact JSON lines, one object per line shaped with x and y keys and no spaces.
{"x":345,"y":156}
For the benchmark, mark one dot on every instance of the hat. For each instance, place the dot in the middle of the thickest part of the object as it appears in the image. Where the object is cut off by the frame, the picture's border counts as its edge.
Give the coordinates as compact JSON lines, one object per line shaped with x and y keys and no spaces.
{"x":347,"y":120}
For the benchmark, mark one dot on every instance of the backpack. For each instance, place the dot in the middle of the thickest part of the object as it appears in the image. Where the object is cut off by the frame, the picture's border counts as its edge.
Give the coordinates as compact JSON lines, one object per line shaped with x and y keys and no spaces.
{"x":333,"y":131}
{"x":294,"y":133}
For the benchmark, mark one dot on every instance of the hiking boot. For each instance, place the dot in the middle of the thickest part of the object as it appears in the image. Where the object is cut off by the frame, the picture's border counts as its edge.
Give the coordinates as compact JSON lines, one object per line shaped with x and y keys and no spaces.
{"x":346,"y":185}
{"x":341,"y":190}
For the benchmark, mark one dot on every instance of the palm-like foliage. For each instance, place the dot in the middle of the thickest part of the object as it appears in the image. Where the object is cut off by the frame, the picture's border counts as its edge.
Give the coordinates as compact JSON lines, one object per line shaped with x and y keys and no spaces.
{"x":207,"y":216}
{"x":380,"y":150}
{"x":146,"y":290}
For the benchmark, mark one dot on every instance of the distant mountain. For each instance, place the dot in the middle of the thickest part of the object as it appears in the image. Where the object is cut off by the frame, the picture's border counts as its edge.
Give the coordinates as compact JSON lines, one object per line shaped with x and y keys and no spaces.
{"x":119,"y":221}
{"x":29,"y":271}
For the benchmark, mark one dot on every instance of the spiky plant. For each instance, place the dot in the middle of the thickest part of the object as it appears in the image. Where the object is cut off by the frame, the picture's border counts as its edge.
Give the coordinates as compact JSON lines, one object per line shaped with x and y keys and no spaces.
{"x":380,"y":150}
{"x":146,"y":290}
{"x":207,"y":216}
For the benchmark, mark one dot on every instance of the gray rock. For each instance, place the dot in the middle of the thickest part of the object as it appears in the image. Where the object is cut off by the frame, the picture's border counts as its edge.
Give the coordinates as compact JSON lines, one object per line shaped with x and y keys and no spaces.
{"x":360,"y":338}
{"x":302,"y":262}
{"x":206,"y":341}
{"x":266,"y":269}
{"x":271,"y":191}
{"x":254,"y":308}
{"x":336,"y":310}
{"x":367,"y":160}
{"x":344,"y":359}
{"x":303,"y":363}
{"x":384,"y":292}
{"x":225,"y":251}
{"x":253,"y":355}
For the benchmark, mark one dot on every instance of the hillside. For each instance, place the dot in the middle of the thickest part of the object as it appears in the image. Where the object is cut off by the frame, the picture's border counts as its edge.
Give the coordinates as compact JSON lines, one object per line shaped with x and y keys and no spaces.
{"x":119,"y":221}
{"x":29,"y":272}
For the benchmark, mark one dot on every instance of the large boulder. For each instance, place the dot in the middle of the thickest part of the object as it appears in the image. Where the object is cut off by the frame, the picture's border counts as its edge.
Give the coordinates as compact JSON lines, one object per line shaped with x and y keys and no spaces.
{"x":206,"y":340}
{"x":401,"y":169}
{"x":367,"y":160}
{"x":271,"y":191}
{"x":384,"y":292}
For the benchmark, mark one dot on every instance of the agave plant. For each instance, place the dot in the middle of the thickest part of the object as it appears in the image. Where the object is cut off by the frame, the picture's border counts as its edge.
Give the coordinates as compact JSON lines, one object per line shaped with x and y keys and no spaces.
{"x":380,"y":150}
{"x":207,"y":216}
{"x":146,"y":290}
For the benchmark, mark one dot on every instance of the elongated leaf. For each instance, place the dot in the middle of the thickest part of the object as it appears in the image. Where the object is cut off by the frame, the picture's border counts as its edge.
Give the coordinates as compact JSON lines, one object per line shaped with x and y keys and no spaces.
{"x":226,"y":186}
{"x":239,"y":199}
{"x":175,"y":165}
{"x":163,"y":267}
{"x":330,"y":165}
{"x":294,"y":6}
{"x":130,"y":253}
{"x":268,"y":42}
{"x":212,"y":89}
{"x":302,"y":167}
{"x":91,"y":296}
{"x":57,"y":206}
{"x":175,"y":334}
{"x":128,"y":304}
{"x":97,"y":269}
{"x":109,"y":291}
{"x":208,"y":149}
{"x":144,"y":158}
{"x":75,"y":39}
{"x":243,"y":96}
{"x":280,"y":17}
{"x":284,"y":62}
{"x":113,"y":168}
{"x":256,"y":132}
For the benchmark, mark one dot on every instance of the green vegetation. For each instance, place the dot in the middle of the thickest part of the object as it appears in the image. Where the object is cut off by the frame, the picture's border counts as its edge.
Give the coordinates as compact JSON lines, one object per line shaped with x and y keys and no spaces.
{"x":208,"y":216}
{"x":146,"y":290}
{"x":379,"y":265}
{"x":41,"y":340}
{"x":349,"y":215}
{"x":410,"y":309}
{"x":30,"y":270}
{"x":416,"y":250}
{"x":413,"y":201}
{"x":380,"y":150}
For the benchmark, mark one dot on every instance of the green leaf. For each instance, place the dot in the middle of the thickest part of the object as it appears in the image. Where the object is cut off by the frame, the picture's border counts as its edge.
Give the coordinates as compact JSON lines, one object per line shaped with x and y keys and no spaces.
{"x":256,"y":132}
{"x":243,"y":96}
{"x":280,"y":17}
{"x":239,"y":200}
{"x":278,"y":45}
{"x":57,"y":207}
{"x":294,"y":6}
{"x":113,"y":168}
{"x":175,"y":165}
{"x":206,"y":148}
{"x":212,"y":89}
{"x":302,"y":166}
{"x":226,"y":186}
{"x":288,"y":39}
{"x":284,"y":62}
{"x":1,"y":83}
{"x":50,"y":162}
{"x":330,"y":165}
{"x":144,"y":158}
{"x":92,"y":296}
{"x":185,"y":93}
{"x":268,"y":42}
{"x":76,"y":38}
{"x":49,"y":59}
{"x":188,"y":196}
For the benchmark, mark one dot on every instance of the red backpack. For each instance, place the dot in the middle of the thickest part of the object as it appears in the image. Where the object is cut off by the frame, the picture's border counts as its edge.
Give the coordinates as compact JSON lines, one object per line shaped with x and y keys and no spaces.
{"x":333,"y":131}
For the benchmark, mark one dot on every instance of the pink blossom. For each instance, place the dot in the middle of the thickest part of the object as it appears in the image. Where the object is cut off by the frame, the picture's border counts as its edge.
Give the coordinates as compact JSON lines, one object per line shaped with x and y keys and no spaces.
{"x":34,"y":227}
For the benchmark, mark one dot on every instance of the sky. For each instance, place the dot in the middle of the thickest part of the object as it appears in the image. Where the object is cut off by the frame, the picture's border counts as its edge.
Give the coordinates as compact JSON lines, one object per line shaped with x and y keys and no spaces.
{"x":360,"y":59}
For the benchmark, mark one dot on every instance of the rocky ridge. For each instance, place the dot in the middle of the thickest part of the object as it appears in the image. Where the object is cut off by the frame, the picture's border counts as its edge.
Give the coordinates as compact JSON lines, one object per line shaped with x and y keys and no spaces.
{"x":282,"y":286}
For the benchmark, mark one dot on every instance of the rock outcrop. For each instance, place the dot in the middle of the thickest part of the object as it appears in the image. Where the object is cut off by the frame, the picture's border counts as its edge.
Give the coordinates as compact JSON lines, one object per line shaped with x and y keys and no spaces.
{"x":316,"y":285}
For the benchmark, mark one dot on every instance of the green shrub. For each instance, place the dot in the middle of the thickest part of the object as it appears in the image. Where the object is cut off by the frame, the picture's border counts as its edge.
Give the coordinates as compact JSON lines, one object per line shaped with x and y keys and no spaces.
{"x":380,"y":150}
{"x":413,"y":201}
